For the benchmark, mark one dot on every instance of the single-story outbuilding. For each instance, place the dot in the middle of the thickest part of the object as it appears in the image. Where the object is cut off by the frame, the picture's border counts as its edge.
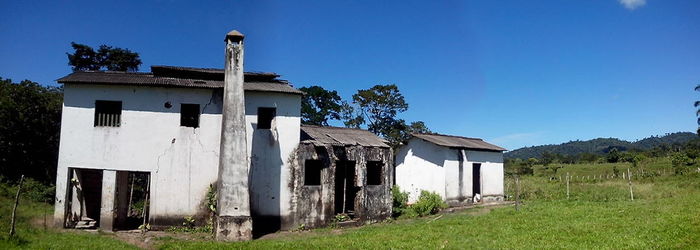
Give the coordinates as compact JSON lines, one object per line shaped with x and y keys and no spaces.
{"x":457,"y":168}
{"x":341,"y":171}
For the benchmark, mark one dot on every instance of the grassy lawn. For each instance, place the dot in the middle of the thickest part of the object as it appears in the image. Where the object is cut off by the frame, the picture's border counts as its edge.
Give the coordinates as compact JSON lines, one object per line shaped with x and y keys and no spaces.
{"x":35,"y":237}
{"x":668,"y":220}
{"x":598,"y":214}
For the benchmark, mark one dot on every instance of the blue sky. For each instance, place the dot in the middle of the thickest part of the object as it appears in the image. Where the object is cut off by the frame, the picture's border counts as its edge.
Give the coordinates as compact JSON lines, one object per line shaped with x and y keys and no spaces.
{"x":516,"y":73}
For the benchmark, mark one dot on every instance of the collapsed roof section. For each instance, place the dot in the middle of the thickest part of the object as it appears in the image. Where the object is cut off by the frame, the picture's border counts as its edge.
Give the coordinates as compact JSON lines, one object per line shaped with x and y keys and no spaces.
{"x":336,"y":136}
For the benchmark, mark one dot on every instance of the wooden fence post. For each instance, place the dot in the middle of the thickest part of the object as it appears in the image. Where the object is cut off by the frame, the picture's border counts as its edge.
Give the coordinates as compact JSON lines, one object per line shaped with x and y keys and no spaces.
{"x":629,"y":181}
{"x":567,"y":185}
{"x":14,"y":209}
{"x":517,"y":193}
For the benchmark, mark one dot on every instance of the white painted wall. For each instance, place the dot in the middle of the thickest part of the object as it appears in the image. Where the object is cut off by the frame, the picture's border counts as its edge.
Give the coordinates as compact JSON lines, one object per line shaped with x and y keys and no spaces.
{"x":491,"y":171}
{"x":183,"y":161}
{"x":271,"y":150}
{"x":421,"y":165}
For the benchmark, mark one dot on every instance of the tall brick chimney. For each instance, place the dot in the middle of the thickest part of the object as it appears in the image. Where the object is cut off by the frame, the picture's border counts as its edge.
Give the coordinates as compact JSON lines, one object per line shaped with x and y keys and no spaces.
{"x":233,"y":221}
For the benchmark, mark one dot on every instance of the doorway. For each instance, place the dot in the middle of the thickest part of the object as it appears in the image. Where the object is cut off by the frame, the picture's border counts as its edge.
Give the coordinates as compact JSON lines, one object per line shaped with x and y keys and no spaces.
{"x":85,"y":201}
{"x":476,"y":179}
{"x":133,"y":189}
{"x":345,"y":189}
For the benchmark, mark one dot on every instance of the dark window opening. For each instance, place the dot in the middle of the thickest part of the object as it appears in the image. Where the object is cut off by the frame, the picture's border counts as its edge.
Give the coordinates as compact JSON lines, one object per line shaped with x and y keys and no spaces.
{"x":265,"y":116}
{"x":312,"y":172}
{"x":189,"y":115}
{"x":374,"y":172}
{"x":108,"y":113}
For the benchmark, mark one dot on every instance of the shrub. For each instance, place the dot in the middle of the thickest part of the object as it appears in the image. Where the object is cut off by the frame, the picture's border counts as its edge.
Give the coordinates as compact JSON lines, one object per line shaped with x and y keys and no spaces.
{"x":400,"y":203}
{"x":428,"y":203}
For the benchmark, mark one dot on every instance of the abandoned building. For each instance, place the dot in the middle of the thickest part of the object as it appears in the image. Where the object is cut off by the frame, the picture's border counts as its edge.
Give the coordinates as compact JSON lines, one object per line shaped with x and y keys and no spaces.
{"x":157,"y":137}
{"x":457,"y":168}
{"x":346,"y":171}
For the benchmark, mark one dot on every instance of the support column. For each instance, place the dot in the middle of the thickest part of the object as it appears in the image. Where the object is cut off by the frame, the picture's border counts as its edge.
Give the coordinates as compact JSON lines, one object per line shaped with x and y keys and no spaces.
{"x":233,"y":222}
{"x":122,"y":198}
{"x":109,"y":180}
{"x":62,"y":195}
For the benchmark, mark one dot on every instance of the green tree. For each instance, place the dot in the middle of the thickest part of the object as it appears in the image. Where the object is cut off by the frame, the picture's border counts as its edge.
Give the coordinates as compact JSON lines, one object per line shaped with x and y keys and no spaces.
{"x":29,"y":131}
{"x":613,"y":155}
{"x":377,"y":107}
{"x":105,"y":58}
{"x":319,"y":105}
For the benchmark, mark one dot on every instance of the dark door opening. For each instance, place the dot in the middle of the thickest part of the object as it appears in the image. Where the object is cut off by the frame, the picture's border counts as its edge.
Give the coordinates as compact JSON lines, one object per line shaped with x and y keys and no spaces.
{"x":133,"y":190}
{"x":345,"y":189}
{"x":476,"y":179}
{"x":85,"y":199}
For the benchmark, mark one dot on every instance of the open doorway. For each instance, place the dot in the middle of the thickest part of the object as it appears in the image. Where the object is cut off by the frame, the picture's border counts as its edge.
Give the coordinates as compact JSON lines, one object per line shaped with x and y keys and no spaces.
{"x":476,"y":180}
{"x":132,"y":202}
{"x":345,"y":189}
{"x":85,"y":199}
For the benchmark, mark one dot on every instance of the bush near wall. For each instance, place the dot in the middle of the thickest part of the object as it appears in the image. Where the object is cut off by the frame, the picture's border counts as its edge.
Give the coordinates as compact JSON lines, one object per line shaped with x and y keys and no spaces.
{"x":428,"y":203}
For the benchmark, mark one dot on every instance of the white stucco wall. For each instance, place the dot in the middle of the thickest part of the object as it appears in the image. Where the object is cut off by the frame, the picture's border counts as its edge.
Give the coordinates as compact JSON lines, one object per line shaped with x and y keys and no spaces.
{"x":491,"y":171}
{"x":421,"y":165}
{"x":183,"y":161}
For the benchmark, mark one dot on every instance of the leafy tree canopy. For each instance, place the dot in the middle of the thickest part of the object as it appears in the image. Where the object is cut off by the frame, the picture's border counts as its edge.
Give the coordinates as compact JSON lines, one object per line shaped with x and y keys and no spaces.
{"x":377,"y":107}
{"x":105,"y":58}
{"x":319,"y":105}
{"x":29,"y":131}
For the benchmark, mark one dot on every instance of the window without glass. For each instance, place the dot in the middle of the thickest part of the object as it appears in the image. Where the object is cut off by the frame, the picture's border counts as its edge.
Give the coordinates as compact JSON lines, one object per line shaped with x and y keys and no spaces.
{"x":265,"y":116}
{"x":189,"y":115}
{"x":108,"y":113}
{"x":374,"y":172}
{"x":312,"y":172}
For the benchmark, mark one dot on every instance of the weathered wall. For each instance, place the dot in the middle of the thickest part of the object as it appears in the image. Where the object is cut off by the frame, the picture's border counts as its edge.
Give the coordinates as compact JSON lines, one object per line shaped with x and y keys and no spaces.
{"x":423,"y":165}
{"x":314,"y":205}
{"x":183,"y":161}
{"x":419,"y":166}
{"x":270,"y":170}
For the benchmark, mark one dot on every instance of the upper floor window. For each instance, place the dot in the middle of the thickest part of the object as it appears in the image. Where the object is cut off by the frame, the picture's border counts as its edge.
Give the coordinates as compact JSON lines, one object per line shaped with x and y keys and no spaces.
{"x":265,"y":116}
{"x":108,"y":113}
{"x":189,"y":115}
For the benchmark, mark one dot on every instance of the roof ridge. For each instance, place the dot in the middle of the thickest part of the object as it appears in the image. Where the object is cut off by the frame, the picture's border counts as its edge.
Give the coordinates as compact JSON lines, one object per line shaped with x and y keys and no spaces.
{"x":333,"y":127}
{"x":456,"y":136}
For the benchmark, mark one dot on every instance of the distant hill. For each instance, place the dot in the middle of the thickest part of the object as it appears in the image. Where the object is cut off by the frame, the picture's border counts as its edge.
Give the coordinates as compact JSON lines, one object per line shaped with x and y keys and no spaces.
{"x":601,"y":145}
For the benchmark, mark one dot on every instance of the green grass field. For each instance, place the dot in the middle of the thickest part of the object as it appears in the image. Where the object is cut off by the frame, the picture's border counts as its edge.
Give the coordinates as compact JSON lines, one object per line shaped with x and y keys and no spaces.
{"x":31,"y":234}
{"x":598,"y":214}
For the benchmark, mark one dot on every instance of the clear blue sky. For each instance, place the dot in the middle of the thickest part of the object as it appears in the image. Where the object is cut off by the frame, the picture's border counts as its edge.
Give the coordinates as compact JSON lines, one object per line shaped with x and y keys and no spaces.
{"x":516,"y":73}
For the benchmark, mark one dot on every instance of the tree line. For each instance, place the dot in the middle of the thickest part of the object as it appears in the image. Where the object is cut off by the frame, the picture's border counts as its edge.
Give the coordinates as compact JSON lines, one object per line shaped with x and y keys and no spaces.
{"x":682,"y":155}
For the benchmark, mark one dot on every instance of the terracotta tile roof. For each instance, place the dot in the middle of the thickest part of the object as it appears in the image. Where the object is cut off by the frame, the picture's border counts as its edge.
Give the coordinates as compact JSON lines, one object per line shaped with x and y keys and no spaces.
{"x":336,"y":136}
{"x":459,"y":142}
{"x":169,"y":76}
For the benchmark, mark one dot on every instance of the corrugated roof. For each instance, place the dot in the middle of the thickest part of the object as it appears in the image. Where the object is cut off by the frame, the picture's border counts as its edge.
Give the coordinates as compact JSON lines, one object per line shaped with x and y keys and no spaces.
{"x":168,"y":76}
{"x":336,"y":136}
{"x":459,"y":142}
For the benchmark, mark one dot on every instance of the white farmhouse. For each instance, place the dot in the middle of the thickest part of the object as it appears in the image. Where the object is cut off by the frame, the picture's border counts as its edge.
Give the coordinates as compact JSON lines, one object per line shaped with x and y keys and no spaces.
{"x":457,"y":168}
{"x":156,"y":137}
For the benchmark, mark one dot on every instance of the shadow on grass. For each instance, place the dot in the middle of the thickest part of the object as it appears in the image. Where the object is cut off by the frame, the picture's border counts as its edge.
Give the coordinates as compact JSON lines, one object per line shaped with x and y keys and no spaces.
{"x":15,"y":240}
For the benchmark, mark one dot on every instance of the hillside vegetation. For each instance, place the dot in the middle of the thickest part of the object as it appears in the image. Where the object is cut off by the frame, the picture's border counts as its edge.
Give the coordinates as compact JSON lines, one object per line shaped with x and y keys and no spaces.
{"x":602,"y":146}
